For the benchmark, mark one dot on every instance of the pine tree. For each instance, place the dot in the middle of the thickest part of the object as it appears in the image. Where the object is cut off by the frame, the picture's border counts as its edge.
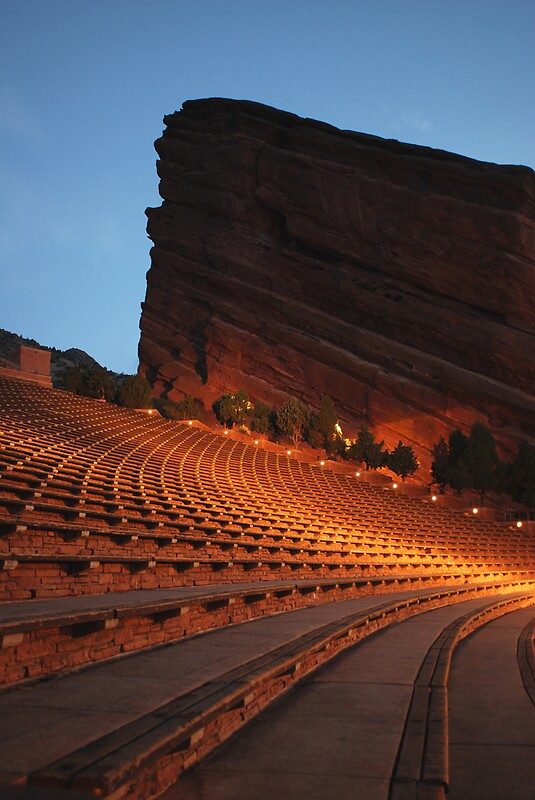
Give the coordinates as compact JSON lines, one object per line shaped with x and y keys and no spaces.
{"x":481,"y":459}
{"x":458,"y":473}
{"x":439,"y":467}
{"x":402,"y":461}
{"x":521,"y":475}
{"x":322,"y":430}
{"x":367,"y":450}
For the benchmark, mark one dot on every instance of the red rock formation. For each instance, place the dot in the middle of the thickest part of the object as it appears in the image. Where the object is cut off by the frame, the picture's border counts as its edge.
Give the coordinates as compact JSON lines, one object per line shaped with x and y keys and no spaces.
{"x":294,"y":258}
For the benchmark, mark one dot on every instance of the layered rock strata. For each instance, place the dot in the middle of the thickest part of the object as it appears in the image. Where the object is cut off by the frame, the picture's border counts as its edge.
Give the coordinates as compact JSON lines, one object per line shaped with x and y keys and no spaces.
{"x":291,"y":257}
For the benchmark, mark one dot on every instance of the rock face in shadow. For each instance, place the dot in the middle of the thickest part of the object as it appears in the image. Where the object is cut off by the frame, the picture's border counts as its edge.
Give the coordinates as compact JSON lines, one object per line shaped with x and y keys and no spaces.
{"x":294,"y":258}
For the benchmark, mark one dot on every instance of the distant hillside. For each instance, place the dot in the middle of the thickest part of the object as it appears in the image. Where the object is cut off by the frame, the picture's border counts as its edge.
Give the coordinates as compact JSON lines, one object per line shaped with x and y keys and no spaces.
{"x":60,"y":360}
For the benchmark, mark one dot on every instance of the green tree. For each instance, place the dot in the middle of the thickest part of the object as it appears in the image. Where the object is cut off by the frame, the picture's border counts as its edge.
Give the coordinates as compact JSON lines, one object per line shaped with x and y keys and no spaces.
{"x":134,"y":392}
{"x":439,"y":466}
{"x":99,"y":383}
{"x":260,"y":417}
{"x":231,"y":409}
{"x":481,"y":459}
{"x":293,"y":418}
{"x":94,"y":382}
{"x":73,"y":380}
{"x":322,"y":430}
{"x":402,"y":461}
{"x":187,"y":408}
{"x":367,"y":450}
{"x":457,"y":470}
{"x":521,"y":475}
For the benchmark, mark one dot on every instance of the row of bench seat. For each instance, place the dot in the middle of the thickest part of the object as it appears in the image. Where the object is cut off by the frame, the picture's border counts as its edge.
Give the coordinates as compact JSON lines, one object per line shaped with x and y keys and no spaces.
{"x":96,"y":499}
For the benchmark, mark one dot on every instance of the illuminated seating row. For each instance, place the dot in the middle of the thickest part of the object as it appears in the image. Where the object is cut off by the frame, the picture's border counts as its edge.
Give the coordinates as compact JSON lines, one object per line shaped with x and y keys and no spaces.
{"x":100,"y":500}
{"x":121,"y":531}
{"x":164,"y":486}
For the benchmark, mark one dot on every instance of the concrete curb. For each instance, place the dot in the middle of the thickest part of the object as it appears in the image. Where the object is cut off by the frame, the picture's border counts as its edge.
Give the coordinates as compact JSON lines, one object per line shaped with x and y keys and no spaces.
{"x":422,"y":764}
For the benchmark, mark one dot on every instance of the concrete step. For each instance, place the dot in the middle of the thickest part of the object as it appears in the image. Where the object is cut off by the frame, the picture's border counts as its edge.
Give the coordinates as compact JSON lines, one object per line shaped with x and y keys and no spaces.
{"x":127,"y":728}
{"x":362,"y":726}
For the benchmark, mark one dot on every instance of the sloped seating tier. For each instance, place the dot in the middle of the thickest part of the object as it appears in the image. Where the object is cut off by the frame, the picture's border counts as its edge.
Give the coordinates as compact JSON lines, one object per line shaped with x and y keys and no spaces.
{"x":95,"y":498}
{"x":122,"y":532}
{"x":45,"y":638}
{"x":52,"y":557}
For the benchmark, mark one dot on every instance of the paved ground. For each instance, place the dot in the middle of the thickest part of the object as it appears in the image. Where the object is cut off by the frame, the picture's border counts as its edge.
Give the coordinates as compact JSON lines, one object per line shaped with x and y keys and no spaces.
{"x":42,"y":722}
{"x":491,"y":717}
{"x":336,"y":735}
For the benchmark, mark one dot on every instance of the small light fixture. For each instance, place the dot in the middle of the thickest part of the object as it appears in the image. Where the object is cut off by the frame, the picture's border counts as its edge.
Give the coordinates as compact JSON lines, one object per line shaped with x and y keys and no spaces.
{"x":322,"y":463}
{"x":475,"y":510}
{"x":190,"y":422}
{"x":519,"y":524}
{"x":288,"y":452}
{"x":357,"y":474}
{"x":434,"y":498}
{"x":256,"y":441}
{"x":394,"y":486}
{"x":226,"y":433}
{"x":150,"y":411}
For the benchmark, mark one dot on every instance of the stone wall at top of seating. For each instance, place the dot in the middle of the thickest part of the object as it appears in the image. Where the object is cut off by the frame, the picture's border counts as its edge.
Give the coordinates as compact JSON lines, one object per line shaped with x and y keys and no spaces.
{"x":28,"y":363}
{"x":294,"y":258}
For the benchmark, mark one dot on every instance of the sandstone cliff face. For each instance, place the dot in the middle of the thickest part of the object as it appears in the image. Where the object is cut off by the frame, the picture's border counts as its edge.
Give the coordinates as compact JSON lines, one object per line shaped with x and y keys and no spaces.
{"x":294,"y":258}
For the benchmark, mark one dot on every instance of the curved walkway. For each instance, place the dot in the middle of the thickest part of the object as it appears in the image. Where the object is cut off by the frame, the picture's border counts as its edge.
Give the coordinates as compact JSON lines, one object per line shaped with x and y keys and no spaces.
{"x":337,"y":734}
{"x":491,"y":716}
{"x":42,"y":723}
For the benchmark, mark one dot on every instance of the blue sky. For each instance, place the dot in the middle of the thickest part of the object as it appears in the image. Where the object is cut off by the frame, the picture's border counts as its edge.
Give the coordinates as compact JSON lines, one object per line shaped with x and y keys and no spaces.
{"x":84,"y":85}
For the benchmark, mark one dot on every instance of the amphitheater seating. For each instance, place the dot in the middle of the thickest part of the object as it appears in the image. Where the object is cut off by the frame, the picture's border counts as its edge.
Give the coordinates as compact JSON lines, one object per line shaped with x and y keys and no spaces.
{"x":121,"y":532}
